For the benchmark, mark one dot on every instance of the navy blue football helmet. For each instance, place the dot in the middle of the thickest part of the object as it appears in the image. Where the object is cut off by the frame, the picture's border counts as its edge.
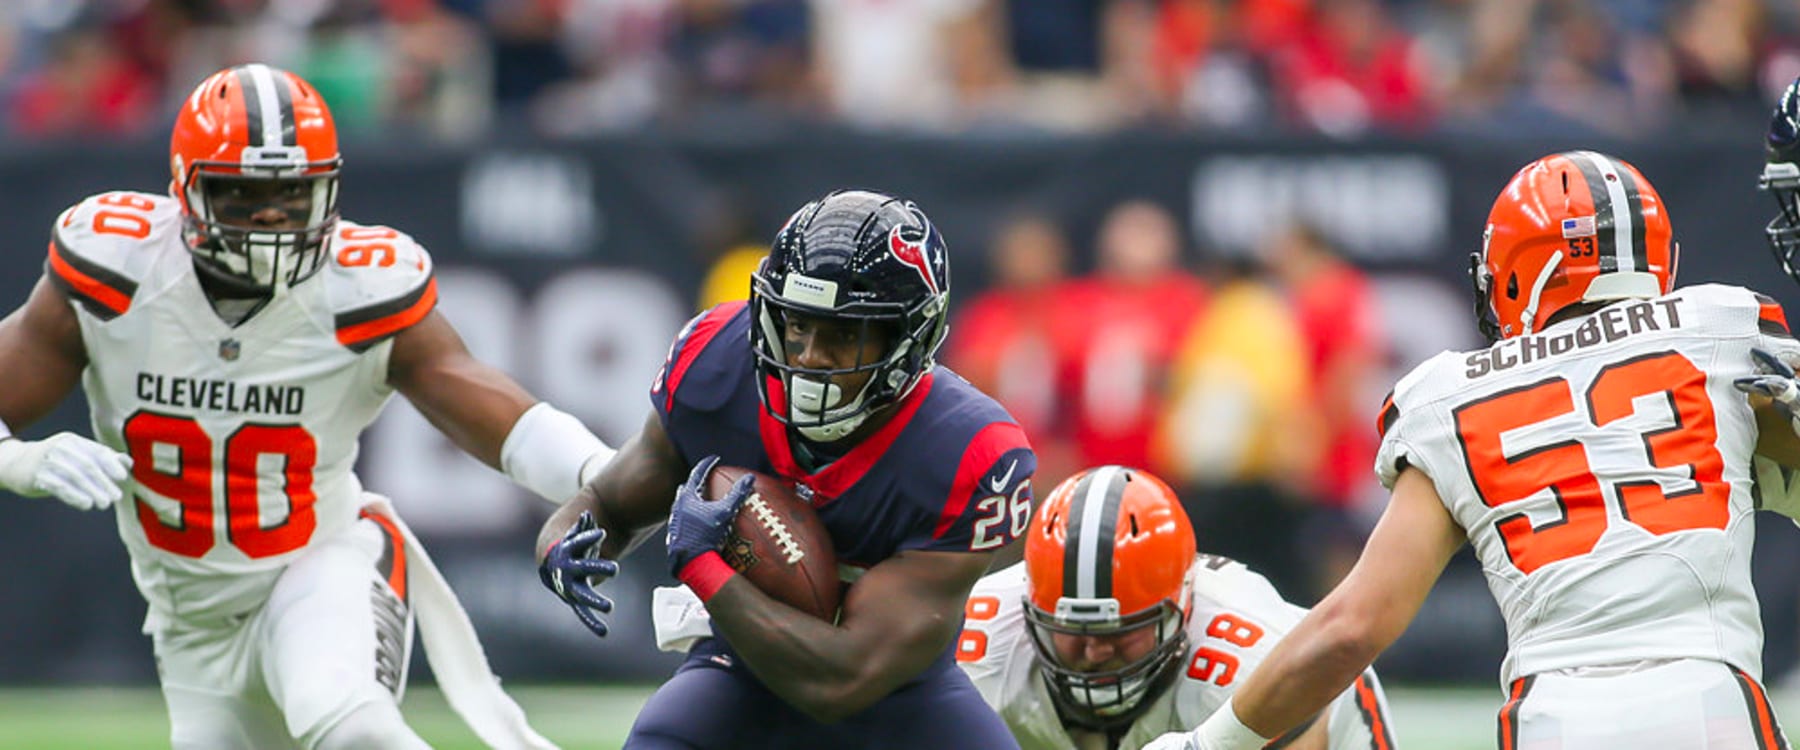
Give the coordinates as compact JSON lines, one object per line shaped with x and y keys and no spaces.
{"x":852,"y":256}
{"x":1781,"y":177}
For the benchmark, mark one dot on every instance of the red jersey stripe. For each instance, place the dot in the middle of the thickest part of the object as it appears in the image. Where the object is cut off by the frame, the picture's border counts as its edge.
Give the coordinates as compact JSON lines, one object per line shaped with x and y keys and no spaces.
{"x":989,"y":444}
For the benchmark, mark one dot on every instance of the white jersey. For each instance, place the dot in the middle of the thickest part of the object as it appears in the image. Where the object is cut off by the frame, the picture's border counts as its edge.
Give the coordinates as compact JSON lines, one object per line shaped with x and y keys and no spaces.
{"x":1602,"y":470}
{"x":242,"y":438}
{"x":1237,"y":619}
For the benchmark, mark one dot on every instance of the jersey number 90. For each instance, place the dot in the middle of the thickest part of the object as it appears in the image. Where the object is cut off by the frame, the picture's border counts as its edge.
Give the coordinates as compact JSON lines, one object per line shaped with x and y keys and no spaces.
{"x":185,"y":475}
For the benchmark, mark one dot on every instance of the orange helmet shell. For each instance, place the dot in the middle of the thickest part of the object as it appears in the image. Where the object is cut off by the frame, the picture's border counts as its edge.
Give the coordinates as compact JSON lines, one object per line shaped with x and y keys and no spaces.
{"x":1109,"y":543}
{"x":252,"y":116}
{"x":1578,"y":226}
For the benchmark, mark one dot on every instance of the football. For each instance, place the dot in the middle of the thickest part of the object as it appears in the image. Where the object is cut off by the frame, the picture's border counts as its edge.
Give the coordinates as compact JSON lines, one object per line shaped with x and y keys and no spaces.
{"x":780,"y":544}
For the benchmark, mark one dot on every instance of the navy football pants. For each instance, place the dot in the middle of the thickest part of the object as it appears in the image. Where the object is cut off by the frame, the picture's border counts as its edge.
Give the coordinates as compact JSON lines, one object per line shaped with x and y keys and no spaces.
{"x":714,"y":703}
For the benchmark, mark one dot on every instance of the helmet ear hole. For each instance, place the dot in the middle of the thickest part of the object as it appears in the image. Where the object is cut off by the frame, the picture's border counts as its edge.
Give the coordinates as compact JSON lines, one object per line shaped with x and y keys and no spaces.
{"x":1512,"y":286}
{"x":1134,"y":525}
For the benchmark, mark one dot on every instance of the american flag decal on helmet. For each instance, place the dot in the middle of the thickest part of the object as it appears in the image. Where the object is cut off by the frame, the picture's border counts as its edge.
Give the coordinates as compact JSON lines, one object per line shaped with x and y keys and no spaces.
{"x":1580,"y":226}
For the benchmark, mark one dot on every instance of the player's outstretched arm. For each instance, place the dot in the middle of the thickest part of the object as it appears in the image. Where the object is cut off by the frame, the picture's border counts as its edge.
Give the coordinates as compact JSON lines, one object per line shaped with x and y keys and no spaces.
{"x":1406,"y":553}
{"x":41,"y":358}
{"x":629,"y":497}
{"x":489,"y":415}
{"x":896,"y":619}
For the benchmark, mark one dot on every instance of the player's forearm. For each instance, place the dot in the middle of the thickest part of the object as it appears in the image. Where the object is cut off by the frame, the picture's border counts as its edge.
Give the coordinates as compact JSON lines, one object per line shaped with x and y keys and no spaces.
{"x":817,"y":667}
{"x":1309,"y":669}
{"x":1775,"y":439}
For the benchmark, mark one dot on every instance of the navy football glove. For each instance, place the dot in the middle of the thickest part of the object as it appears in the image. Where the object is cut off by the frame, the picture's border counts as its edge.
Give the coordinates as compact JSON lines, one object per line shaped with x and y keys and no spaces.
{"x":1774,"y":379}
{"x":573,"y":566}
{"x":698,"y":525}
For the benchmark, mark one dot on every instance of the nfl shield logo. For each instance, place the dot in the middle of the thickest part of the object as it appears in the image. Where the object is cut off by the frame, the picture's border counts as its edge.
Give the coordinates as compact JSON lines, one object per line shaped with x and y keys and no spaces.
{"x":229,"y":350}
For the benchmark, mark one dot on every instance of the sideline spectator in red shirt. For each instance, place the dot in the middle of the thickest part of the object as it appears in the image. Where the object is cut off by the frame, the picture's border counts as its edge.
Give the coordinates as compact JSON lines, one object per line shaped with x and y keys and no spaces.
{"x":1011,"y":341}
{"x":89,"y":87}
{"x":1134,"y":313}
{"x":1355,"y":70}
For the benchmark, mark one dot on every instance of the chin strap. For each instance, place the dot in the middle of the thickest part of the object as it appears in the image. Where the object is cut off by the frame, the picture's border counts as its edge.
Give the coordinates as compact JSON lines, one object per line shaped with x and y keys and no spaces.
{"x":1537,"y":289}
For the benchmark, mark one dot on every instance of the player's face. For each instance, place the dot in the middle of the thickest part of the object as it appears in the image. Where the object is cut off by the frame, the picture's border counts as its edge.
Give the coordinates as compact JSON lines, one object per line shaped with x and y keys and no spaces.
{"x":276,"y":205}
{"x":1104,"y":653}
{"x":819,"y":343}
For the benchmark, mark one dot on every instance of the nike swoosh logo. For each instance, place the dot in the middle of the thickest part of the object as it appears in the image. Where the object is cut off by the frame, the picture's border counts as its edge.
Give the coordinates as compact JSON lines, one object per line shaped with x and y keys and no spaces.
{"x":1006,"y":479}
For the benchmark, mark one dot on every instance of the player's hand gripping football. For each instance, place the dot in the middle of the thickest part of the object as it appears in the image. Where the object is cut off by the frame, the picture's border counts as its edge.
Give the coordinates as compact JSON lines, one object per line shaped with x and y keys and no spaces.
{"x":698,"y":525}
{"x":1775,"y":381}
{"x":78,"y":471}
{"x":572,"y":567}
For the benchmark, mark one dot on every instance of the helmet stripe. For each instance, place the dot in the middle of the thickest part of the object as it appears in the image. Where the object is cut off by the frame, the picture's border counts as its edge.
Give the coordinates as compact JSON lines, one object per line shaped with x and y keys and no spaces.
{"x":273,"y":107}
{"x":253,"y":116}
{"x":1093,"y":520}
{"x":1605,"y":236}
{"x":1640,"y":254}
{"x":1615,"y":252}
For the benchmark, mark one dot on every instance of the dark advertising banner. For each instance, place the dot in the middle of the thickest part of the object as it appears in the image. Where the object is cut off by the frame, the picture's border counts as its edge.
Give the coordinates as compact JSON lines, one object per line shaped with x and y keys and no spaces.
{"x":571,"y":265}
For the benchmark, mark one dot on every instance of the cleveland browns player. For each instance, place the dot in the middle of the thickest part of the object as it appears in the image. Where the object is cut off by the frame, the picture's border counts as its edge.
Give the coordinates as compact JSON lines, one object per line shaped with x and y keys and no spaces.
{"x":1598,"y":457}
{"x":234,"y":338}
{"x":1113,"y":631}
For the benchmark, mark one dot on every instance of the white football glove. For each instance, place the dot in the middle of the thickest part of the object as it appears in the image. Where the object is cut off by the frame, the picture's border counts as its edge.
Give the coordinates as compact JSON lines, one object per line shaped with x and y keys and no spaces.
{"x":1221,"y":731}
{"x":1170,"y":741}
{"x":78,"y":471}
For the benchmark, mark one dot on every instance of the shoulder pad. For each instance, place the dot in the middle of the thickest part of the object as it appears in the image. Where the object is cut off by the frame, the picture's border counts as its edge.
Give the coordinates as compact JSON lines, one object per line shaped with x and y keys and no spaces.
{"x":1771,"y":320}
{"x":1411,"y":385}
{"x":701,"y":385}
{"x":1008,"y":583}
{"x":1718,"y":294}
{"x":1405,"y":391}
{"x":102,"y":247}
{"x":1740,"y":305}
{"x":379,"y":281}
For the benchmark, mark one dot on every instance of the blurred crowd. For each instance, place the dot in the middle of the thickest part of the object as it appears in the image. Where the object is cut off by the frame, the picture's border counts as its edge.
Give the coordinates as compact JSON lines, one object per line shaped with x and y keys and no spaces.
{"x":1252,"y":385}
{"x":462,"y":68}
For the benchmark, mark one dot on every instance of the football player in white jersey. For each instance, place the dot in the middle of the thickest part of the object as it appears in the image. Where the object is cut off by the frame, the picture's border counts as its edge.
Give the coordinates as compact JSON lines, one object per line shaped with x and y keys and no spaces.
{"x":1113,"y":631}
{"x":233,"y":339}
{"x":1598,"y":457}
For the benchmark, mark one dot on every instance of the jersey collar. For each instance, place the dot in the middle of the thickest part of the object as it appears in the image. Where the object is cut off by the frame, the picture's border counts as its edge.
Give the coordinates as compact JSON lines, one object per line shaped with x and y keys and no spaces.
{"x":836,"y":477}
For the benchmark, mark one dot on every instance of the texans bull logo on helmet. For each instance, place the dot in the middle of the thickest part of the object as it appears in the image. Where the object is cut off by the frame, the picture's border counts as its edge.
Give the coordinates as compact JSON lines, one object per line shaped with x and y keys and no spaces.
{"x":907,"y":242}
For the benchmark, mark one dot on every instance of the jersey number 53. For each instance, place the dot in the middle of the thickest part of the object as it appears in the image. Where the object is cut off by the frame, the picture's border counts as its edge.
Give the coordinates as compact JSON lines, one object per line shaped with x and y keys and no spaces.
{"x":1682,"y":454}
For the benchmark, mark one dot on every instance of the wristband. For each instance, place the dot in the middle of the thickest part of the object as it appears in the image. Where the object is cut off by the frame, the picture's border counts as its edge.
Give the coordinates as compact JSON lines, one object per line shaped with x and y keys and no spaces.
{"x":706,"y":574}
{"x":1224,"y":731}
{"x":550,"y":452}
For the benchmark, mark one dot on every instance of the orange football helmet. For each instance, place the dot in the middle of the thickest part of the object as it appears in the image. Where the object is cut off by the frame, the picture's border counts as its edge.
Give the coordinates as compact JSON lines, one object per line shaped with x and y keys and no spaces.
{"x":1573,"y":227}
{"x":1108,"y":555}
{"x":250,"y":139}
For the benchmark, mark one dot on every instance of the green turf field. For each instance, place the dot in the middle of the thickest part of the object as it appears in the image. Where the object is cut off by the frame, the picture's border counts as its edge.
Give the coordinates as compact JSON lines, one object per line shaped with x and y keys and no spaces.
{"x":596,"y":718}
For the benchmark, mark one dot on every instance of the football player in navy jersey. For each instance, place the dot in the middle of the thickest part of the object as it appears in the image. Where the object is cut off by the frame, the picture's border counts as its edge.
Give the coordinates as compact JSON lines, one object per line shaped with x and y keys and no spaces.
{"x":827,"y":378}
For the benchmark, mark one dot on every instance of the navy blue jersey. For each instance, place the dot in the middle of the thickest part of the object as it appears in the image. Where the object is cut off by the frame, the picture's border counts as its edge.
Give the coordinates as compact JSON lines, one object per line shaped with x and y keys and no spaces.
{"x":950,"y":471}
